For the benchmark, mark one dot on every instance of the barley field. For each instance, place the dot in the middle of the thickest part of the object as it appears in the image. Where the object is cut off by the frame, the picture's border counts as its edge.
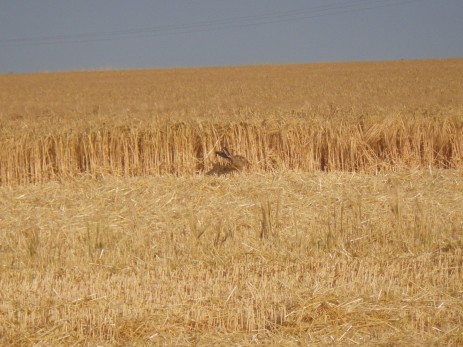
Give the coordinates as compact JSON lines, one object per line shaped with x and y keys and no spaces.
{"x":345,"y":229}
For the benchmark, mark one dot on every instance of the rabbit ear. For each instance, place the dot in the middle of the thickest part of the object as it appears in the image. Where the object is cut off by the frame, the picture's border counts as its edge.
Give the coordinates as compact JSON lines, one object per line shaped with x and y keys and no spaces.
{"x":227,"y":153}
{"x":224,"y":154}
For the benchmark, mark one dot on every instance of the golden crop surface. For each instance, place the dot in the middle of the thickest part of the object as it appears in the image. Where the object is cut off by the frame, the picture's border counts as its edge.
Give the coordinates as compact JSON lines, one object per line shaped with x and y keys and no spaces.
{"x":346,"y":228}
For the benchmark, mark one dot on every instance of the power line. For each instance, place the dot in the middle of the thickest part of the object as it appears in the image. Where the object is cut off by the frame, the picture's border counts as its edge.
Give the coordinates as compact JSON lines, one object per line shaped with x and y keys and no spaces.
{"x":211,"y":25}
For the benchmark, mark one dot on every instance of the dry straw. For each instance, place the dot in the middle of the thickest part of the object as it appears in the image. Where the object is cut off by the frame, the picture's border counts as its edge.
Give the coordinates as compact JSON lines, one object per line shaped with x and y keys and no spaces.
{"x":323,"y":240}
{"x":360,"y":144}
{"x":362,"y":117}
{"x":277,"y":259}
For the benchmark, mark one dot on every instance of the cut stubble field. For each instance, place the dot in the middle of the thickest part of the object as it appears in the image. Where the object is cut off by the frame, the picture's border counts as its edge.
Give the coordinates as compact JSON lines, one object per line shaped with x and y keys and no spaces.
{"x":345,"y":229}
{"x":290,"y":258}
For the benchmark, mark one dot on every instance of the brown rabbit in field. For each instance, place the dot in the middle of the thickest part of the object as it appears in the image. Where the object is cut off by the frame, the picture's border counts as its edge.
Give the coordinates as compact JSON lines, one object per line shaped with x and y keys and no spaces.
{"x":235,"y":163}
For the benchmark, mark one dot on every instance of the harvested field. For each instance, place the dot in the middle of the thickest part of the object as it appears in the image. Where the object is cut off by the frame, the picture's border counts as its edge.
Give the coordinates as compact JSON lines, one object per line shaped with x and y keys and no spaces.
{"x":294,"y":258}
{"x":346,"y":229}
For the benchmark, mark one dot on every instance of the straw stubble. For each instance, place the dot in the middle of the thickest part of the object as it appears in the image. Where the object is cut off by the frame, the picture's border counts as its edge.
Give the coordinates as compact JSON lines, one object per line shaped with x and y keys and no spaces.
{"x":345,"y":228}
{"x":277,"y":258}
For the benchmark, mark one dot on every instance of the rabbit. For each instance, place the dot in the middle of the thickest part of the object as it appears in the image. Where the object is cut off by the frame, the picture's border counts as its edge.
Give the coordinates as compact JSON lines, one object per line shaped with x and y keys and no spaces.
{"x":236,"y":163}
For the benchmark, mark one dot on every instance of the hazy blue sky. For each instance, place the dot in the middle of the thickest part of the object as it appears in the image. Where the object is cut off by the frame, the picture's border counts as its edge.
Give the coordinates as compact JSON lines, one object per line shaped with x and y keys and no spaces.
{"x":49,"y":35}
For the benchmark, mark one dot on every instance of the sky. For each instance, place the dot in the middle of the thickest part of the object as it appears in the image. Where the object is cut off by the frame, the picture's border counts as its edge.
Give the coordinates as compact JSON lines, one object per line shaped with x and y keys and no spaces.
{"x":57,"y":35}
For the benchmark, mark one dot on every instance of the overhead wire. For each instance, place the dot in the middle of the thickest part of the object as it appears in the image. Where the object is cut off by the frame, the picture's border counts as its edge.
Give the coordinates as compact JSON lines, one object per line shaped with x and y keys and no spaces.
{"x":210,"y":25}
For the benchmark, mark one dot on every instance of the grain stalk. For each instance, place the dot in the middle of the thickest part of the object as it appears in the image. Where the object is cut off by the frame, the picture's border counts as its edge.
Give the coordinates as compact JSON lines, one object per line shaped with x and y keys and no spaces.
{"x":269,"y":218}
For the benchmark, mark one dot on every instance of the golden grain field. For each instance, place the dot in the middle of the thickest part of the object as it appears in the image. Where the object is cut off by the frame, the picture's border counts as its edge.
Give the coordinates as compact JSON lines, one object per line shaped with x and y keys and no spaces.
{"x":346,"y":228}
